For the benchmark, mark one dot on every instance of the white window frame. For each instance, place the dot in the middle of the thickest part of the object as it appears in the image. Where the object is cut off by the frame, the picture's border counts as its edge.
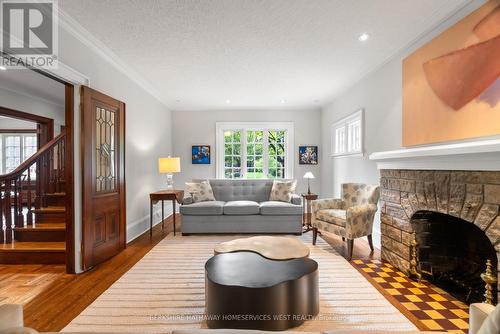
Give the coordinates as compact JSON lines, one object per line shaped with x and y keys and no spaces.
{"x":342,"y":135}
{"x":221,"y":127}
{"x":3,"y":148}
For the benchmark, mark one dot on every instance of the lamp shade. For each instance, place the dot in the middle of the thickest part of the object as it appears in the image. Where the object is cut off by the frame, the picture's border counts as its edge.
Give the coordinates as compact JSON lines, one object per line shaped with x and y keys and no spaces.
{"x":169,"y":165}
{"x":308,"y":175}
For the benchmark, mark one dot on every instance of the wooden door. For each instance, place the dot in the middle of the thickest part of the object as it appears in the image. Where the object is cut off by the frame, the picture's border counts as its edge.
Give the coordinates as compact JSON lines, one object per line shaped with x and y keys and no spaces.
{"x":103,"y":182}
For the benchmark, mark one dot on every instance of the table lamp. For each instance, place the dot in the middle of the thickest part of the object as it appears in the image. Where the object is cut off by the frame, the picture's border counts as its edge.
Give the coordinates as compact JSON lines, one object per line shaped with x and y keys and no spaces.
{"x":308,"y":176}
{"x":169,"y":166}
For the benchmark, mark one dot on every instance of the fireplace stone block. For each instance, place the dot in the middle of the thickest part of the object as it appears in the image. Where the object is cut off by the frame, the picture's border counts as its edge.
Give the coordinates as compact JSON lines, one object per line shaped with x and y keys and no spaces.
{"x":473,"y":196}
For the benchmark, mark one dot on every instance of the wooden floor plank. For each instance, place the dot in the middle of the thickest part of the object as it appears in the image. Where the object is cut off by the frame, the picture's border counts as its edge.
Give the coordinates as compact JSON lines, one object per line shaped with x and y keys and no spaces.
{"x":32,"y":246}
{"x":58,"y":297}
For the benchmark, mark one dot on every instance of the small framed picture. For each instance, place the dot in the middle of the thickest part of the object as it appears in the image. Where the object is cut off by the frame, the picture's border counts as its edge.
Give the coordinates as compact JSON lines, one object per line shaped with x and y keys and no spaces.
{"x":308,"y":155}
{"x":200,"y":154}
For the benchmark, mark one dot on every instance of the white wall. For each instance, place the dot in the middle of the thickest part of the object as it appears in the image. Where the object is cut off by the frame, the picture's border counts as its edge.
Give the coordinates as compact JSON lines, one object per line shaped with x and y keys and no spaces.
{"x":33,"y":105}
{"x":198,"y":127}
{"x":380,"y":94}
{"x":7,"y":123}
{"x":148,"y":130}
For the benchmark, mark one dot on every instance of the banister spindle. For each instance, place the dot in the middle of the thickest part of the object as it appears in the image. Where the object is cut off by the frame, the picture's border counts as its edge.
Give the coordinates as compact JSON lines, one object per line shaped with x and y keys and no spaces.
{"x":26,"y":187}
{"x":2,"y":211}
{"x":8,"y":211}
{"x":29,"y":203}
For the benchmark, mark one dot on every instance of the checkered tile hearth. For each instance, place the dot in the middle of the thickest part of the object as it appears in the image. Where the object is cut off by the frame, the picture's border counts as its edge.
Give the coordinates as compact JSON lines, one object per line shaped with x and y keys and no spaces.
{"x":427,"y":306}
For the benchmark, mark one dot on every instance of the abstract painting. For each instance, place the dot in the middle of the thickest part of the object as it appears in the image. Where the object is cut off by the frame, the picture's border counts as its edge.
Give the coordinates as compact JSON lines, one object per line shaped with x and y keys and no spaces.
{"x":308,"y":155}
{"x":451,"y":85}
{"x":200,"y":154}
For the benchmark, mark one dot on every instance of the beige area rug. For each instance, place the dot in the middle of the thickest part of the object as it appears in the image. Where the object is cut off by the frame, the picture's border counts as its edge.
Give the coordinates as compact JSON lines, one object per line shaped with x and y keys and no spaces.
{"x":165,"y":291}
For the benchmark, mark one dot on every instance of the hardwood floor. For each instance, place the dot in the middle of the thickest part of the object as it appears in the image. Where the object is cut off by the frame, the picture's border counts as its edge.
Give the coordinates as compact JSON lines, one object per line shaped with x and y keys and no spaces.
{"x":19,"y":284}
{"x":52,"y":298}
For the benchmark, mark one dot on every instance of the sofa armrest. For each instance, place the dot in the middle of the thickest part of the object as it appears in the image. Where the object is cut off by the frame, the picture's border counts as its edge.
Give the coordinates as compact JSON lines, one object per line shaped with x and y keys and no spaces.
{"x":360,"y":220}
{"x":11,"y":316}
{"x":477,"y":314}
{"x":327,"y":203}
{"x":296,"y":199}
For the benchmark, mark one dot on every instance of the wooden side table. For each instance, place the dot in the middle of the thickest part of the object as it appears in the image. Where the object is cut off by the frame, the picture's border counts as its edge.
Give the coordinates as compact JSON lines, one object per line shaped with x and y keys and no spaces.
{"x":164,"y":195}
{"x":306,"y":219}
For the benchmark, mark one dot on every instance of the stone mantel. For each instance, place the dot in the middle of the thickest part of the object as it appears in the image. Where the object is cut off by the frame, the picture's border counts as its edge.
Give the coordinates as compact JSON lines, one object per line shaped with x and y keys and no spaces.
{"x":477,"y":155}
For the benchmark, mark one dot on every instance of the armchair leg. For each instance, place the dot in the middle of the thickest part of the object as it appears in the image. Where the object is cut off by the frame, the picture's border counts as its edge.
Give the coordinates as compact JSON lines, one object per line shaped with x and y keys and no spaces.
{"x":370,"y":242}
{"x":315,"y":235}
{"x":350,"y":246}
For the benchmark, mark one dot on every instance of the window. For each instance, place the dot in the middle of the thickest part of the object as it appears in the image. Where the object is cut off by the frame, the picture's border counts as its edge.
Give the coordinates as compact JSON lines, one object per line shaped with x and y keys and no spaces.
{"x":254,"y":150}
{"x":347,"y":135}
{"x":16,"y":148}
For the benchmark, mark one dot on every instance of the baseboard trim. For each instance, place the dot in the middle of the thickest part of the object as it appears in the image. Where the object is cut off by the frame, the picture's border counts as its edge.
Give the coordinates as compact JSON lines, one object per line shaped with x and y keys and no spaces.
{"x":136,"y":228}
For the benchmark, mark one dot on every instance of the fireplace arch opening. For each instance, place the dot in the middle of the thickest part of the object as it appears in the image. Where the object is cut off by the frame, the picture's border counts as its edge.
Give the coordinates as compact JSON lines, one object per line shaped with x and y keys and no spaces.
{"x":452,"y":254}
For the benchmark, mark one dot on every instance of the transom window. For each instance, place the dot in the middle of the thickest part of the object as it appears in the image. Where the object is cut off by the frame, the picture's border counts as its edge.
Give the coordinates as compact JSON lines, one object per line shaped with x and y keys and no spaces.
{"x":16,"y":148}
{"x":254,"y":150}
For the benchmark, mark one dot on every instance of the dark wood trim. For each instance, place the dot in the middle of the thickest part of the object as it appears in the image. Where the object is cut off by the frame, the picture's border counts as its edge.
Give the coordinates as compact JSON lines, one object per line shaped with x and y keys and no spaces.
{"x":123,"y":198}
{"x":45,"y":126}
{"x":69,"y":176}
{"x":91,"y":98}
{"x":24,"y":116}
{"x":18,"y":131}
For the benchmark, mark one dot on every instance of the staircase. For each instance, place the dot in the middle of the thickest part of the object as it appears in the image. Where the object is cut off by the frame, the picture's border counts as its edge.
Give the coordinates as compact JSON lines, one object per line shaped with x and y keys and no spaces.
{"x":33,"y":208}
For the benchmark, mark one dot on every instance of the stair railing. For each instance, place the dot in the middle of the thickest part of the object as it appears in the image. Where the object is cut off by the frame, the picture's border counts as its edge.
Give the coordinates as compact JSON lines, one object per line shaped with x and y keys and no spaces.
{"x":25,"y":188}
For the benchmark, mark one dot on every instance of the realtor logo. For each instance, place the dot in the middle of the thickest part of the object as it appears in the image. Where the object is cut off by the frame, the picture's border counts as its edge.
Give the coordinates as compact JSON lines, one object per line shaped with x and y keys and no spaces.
{"x":29,"y":33}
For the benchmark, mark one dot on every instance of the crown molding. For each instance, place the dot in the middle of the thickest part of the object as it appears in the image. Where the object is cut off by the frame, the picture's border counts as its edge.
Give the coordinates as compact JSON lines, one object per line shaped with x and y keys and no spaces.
{"x":83,"y":35}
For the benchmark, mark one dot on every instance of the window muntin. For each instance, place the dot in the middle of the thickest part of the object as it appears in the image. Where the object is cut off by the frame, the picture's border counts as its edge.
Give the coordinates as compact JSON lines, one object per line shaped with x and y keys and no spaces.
{"x":254,"y":151}
{"x":232,"y":154}
{"x":15,"y":149}
{"x":347,"y":135}
{"x":277,"y":154}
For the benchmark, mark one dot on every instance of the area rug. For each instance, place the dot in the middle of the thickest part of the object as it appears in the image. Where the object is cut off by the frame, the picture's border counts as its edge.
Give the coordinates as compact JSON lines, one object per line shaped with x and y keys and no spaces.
{"x":165,"y":291}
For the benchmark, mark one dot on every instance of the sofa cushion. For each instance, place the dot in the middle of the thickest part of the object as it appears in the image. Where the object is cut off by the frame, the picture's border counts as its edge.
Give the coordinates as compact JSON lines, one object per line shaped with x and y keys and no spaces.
{"x":210,"y":208}
{"x":283,"y":190}
{"x":275,"y":208}
{"x":201,"y":191}
{"x":334,"y":216}
{"x":241,"y":190}
{"x":241,"y":208}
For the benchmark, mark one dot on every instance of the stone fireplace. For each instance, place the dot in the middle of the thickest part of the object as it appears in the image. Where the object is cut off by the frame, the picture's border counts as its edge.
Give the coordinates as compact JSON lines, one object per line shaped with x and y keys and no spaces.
{"x":455,"y":215}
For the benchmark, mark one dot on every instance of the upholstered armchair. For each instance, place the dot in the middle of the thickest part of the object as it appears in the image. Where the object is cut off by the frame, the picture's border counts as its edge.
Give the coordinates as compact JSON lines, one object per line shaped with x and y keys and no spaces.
{"x":350,"y":217}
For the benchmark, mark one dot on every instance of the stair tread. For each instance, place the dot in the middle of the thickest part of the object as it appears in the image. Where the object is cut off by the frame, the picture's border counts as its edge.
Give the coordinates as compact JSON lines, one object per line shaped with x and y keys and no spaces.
{"x":56,"y":194}
{"x":43,"y":227}
{"x":51,"y":209}
{"x":21,"y":246}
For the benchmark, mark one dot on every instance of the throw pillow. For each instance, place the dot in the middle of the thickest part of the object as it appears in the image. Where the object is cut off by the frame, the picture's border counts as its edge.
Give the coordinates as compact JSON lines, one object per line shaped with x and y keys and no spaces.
{"x":282,"y":191}
{"x":491,"y":324}
{"x":200,"y":192}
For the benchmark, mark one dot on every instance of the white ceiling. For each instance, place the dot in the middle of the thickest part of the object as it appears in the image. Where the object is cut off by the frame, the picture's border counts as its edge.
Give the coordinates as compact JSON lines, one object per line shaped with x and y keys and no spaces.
{"x":256,"y":53}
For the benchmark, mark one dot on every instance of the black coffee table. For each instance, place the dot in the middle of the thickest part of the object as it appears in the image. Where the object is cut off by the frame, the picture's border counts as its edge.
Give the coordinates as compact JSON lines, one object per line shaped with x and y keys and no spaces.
{"x":245,"y":290}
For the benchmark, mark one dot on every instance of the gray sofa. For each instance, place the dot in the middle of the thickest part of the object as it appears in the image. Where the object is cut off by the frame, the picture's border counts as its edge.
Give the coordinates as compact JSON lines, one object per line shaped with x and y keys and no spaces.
{"x":241,"y":206}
